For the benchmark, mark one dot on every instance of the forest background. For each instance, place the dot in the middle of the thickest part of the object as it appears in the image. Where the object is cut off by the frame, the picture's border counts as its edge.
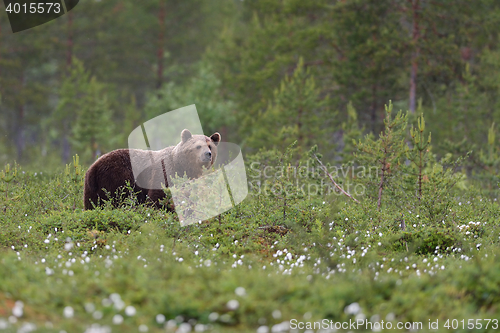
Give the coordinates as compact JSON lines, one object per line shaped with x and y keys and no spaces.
{"x":295,"y":84}
{"x":263,"y":73}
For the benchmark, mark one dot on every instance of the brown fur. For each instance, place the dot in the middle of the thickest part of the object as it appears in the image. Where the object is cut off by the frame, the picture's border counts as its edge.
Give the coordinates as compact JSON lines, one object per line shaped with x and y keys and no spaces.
{"x":113,"y":170}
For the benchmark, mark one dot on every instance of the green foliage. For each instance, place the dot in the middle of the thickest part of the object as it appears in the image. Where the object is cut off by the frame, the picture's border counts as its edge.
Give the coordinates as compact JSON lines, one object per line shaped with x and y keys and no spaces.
{"x":461,"y":112}
{"x":419,"y":154}
{"x":488,"y":163}
{"x":131,"y":119}
{"x":386,"y":152}
{"x":297,"y":112}
{"x":7,"y":175}
{"x":430,"y":239}
{"x":426,"y":184}
{"x":203,"y":89}
{"x":286,"y":196}
{"x":422,"y":244}
{"x":90,"y":111}
{"x":420,"y":187}
{"x":93,"y":126}
{"x":277,"y":251}
{"x":351,"y":133}
{"x":75,"y":176}
{"x":121,"y":43}
{"x":366,"y":56}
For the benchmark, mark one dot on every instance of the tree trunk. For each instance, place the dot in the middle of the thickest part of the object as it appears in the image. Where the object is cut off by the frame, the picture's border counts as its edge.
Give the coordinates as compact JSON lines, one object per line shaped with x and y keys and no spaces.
{"x":300,"y":137}
{"x":373,"y":110}
{"x":94,"y":148}
{"x":0,"y":56}
{"x":380,"y":189}
{"x":223,"y":133}
{"x":161,"y":21}
{"x":20,"y":121}
{"x":20,"y":132}
{"x":415,"y":6}
{"x":66,"y":146}
{"x":69,"y":42}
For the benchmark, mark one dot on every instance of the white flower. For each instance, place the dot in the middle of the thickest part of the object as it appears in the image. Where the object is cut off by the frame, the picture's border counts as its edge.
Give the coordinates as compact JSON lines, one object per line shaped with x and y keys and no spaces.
{"x":130,"y":311}
{"x":233,"y":304}
{"x":240,"y":291}
{"x":17,"y":310}
{"x":114,"y":297}
{"x":160,"y":319}
{"x":117,"y":319}
{"x":97,"y":315}
{"x":199,"y":328}
{"x":171,"y":324}
{"x":353,"y":309}
{"x":263,"y":329}
{"x":89,"y":307}
{"x":68,"y":312}
{"x":184,"y":328}
{"x":276,"y":314}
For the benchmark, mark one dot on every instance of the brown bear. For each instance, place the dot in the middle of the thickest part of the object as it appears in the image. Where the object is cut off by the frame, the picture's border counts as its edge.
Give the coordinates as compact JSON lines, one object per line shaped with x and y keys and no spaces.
{"x":111,"y":172}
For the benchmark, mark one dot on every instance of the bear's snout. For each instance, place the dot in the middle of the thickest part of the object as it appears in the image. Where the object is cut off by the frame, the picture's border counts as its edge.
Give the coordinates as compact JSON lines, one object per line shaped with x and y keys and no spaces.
{"x":207,"y":156}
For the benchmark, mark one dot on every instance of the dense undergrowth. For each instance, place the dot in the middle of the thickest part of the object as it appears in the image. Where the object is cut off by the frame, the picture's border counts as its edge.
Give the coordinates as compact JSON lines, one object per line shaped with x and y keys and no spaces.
{"x":419,"y":249}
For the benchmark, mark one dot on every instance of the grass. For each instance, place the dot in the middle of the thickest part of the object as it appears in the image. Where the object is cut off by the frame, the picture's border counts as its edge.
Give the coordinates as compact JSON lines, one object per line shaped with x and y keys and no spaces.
{"x":255,"y":269}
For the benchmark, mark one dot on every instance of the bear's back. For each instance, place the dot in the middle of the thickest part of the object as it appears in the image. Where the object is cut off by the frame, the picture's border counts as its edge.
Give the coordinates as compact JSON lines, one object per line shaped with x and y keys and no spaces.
{"x":152,"y":169}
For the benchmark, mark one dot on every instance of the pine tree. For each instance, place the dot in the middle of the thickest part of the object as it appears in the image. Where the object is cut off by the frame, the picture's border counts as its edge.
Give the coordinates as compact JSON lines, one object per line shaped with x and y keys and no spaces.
{"x":419,"y":154}
{"x":203,"y":89}
{"x":297,"y":112}
{"x":93,"y":124}
{"x":83,"y":112}
{"x":71,"y":99}
{"x":385,"y":153}
{"x":351,"y":133}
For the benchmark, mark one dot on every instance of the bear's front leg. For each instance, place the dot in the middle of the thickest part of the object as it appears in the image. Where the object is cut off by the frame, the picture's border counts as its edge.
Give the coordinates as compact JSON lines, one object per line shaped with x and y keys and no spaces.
{"x":159,"y":199}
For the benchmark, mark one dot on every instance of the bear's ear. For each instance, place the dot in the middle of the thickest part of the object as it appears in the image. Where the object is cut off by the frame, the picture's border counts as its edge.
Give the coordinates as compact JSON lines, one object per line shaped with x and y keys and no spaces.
{"x":186,"y":135}
{"x":215,"y":138}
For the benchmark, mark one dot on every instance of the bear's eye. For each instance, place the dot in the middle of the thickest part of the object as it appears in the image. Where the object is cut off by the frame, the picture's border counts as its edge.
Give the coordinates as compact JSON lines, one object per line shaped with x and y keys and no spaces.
{"x":198,"y":147}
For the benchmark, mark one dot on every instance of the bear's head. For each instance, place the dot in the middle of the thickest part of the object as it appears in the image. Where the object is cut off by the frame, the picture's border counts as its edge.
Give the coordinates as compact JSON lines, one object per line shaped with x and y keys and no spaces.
{"x":195,"y":152}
